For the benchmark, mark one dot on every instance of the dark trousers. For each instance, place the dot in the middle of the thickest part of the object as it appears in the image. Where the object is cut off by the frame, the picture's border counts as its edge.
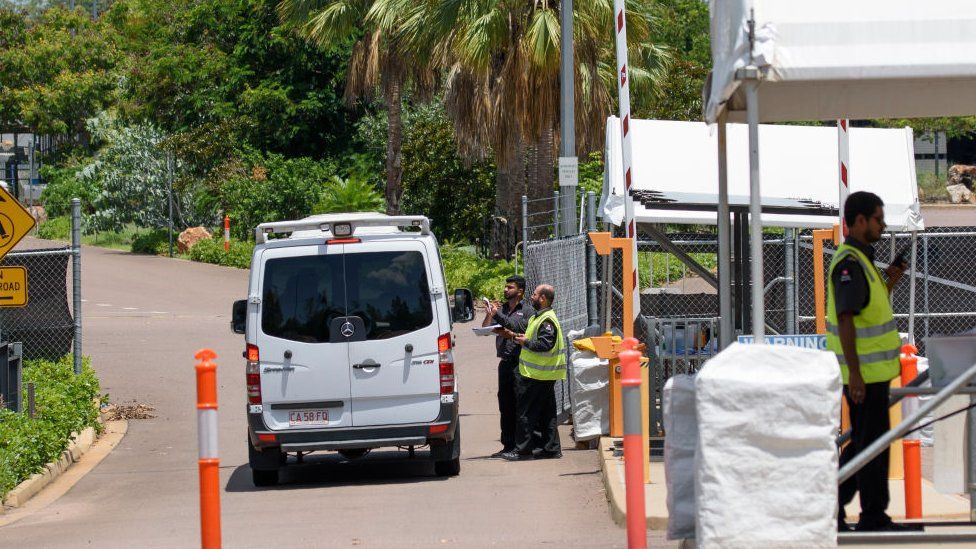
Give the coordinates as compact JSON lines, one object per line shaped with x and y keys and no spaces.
{"x":869,"y":421}
{"x":536,"y":404}
{"x":507,"y":374}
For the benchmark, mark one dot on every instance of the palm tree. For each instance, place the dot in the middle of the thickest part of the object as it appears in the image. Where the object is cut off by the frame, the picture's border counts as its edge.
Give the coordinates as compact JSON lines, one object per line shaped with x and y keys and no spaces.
{"x":501,"y":58}
{"x":379,"y":60}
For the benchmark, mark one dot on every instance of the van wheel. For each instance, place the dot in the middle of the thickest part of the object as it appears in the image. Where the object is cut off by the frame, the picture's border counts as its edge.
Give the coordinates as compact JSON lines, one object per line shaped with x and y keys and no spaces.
{"x":451,"y":467}
{"x":264,"y":477}
{"x":264,"y":464}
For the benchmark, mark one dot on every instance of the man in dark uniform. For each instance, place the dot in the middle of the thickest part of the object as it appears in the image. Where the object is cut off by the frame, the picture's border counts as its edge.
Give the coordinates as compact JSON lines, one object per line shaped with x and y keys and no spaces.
{"x":542,"y":362}
{"x":513,"y":317}
{"x":862,"y":332}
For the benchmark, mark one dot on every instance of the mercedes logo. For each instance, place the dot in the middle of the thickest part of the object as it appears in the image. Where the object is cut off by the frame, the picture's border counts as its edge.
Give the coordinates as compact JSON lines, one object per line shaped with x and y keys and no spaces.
{"x":347,"y":329}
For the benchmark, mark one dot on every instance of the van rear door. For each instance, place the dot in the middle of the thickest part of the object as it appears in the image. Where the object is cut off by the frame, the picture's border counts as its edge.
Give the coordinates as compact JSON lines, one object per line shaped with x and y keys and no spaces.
{"x":304,"y":359}
{"x":394,"y":368}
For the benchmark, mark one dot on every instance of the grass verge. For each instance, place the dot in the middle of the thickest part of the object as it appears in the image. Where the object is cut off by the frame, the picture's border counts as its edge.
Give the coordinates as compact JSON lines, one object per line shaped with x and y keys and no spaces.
{"x":64,"y":403}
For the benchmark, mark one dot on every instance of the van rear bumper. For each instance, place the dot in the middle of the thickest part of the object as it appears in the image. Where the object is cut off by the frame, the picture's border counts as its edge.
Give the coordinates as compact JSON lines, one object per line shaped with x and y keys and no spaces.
{"x":380,"y":436}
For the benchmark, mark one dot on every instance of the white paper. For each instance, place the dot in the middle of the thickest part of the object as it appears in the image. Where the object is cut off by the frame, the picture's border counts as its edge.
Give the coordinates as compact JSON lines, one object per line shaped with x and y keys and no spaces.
{"x":485,"y":330}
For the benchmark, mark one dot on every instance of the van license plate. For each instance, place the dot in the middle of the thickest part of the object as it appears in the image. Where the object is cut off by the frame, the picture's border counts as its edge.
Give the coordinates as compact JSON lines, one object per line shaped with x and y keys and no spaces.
{"x":308,"y":417}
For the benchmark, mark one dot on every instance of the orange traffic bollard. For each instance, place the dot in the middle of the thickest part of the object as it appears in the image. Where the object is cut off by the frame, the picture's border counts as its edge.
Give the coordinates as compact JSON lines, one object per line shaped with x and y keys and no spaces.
{"x":226,"y":233}
{"x":630,"y":380}
{"x":209,"y":463}
{"x":911,"y":445}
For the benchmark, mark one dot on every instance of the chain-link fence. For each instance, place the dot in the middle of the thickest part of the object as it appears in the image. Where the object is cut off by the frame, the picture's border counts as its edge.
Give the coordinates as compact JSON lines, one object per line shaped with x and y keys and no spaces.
{"x":945,"y":281}
{"x":562,"y":264}
{"x":679,"y":307}
{"x":49,"y":325}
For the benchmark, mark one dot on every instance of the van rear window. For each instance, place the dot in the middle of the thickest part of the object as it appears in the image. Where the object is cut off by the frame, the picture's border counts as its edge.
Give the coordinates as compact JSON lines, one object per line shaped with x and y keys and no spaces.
{"x":388,"y":290}
{"x":301,"y":296}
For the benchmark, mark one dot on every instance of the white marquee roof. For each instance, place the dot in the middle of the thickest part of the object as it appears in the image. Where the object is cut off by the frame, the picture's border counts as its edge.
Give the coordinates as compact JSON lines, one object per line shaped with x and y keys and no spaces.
{"x":676,"y":173}
{"x":845,"y":59}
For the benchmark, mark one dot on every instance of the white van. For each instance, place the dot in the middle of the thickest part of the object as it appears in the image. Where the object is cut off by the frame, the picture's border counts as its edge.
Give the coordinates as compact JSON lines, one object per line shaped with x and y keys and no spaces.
{"x":348,"y":341}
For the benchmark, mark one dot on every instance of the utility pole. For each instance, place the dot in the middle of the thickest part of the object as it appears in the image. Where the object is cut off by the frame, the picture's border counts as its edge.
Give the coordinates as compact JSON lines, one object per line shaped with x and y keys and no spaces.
{"x":568,"y":165}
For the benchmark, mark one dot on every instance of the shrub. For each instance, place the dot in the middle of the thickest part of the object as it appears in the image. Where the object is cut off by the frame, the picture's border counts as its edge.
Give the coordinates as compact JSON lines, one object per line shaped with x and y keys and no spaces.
{"x":272,"y":188}
{"x":212,"y":251}
{"x":63,"y":184}
{"x":350,"y":195}
{"x":64,"y":403}
{"x":55,"y":228}
{"x":155,"y":242}
{"x":484,"y":277}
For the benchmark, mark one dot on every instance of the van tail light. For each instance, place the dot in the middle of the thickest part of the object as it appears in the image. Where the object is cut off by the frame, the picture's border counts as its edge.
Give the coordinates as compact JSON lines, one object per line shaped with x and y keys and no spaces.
{"x":446,"y":359}
{"x":253,"y":374}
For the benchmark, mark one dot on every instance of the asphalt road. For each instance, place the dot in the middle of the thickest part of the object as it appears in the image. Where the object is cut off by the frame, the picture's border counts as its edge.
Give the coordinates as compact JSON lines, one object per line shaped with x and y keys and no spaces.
{"x":145,"y":317}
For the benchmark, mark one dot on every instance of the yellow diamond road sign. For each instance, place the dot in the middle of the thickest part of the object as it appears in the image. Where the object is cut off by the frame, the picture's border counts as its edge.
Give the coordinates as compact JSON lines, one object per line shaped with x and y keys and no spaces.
{"x":15,"y":222}
{"x":13,"y":286}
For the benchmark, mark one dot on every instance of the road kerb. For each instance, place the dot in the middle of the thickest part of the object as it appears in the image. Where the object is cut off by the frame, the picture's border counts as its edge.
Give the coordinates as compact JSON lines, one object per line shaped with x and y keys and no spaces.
{"x":655,"y":493}
{"x":58,"y":477}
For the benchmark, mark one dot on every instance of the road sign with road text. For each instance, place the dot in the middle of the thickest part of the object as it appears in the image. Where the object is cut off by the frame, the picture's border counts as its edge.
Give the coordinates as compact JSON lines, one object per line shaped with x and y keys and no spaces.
{"x":15,"y":222}
{"x":13,"y":286}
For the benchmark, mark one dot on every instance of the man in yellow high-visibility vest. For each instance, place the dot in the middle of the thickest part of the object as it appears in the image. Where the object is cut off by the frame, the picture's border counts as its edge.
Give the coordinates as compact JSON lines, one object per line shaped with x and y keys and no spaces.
{"x":542,"y":362}
{"x":863,"y":333}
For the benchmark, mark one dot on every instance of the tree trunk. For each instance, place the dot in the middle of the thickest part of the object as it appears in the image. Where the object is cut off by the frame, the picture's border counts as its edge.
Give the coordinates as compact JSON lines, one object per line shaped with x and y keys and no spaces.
{"x":539,"y":169}
{"x":506,"y":225}
{"x":394,"y":143}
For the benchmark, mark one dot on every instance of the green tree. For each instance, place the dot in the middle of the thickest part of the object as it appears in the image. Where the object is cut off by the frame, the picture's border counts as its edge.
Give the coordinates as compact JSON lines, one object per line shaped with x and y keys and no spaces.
{"x":221,"y":74}
{"x":56,"y":70}
{"x":380,"y":60}
{"x":434,"y":174}
{"x":683,"y":27}
{"x":502,"y":91}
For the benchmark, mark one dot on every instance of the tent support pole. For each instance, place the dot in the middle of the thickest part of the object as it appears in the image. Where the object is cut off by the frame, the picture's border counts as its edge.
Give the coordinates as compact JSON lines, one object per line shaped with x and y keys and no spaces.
{"x":755,"y":205}
{"x":725,"y":327}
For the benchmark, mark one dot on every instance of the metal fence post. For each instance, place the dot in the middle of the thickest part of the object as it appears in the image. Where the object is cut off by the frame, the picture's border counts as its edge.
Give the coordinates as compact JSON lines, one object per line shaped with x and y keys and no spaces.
{"x":913,"y":274}
{"x":169,"y":177}
{"x":788,"y":244}
{"x":555,"y":217}
{"x":591,"y":301}
{"x":925,"y":267}
{"x":76,"y":277}
{"x":525,"y":230}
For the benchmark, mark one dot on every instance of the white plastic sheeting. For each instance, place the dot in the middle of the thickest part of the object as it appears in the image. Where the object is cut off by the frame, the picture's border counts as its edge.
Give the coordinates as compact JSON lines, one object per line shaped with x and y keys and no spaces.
{"x":679,"y":161}
{"x":680,"y":443}
{"x":836,"y":58}
{"x":766,"y":473}
{"x":590,"y":395}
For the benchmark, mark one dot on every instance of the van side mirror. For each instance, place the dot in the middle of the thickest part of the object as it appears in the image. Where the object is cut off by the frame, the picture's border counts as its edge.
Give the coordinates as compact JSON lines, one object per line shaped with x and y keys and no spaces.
{"x":463,"y":310}
{"x":238,"y":316}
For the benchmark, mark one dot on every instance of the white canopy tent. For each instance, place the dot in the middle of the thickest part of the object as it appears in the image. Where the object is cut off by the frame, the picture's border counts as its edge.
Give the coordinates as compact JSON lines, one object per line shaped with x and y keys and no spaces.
{"x":676,"y":167}
{"x":841,"y":59}
{"x":778,"y":61}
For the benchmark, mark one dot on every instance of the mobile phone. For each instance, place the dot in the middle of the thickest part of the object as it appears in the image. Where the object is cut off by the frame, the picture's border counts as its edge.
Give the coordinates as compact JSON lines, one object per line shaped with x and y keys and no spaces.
{"x":902,"y":258}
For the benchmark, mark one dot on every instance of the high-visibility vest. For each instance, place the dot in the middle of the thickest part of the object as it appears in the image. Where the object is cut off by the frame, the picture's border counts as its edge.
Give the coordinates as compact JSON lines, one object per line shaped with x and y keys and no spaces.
{"x":877,"y":341}
{"x":548,"y":365}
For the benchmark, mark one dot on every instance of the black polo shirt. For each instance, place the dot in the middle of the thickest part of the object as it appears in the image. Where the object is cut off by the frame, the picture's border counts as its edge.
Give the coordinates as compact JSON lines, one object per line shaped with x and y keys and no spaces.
{"x":851,"y":291}
{"x":516,"y":320}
